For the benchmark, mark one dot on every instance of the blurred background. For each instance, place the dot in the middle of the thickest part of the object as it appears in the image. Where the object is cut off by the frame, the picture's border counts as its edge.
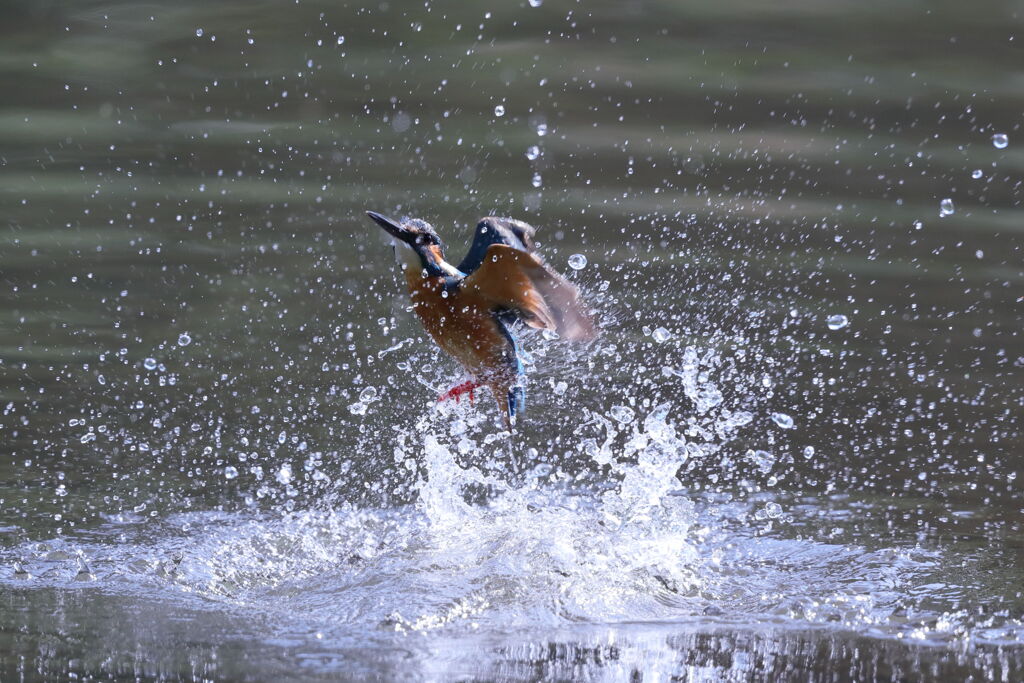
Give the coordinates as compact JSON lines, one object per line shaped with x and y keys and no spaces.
{"x":820,"y":199}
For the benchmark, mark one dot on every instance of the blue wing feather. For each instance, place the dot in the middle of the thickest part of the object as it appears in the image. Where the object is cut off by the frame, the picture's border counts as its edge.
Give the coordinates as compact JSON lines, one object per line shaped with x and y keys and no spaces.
{"x":494,"y":230}
{"x":491,"y":230}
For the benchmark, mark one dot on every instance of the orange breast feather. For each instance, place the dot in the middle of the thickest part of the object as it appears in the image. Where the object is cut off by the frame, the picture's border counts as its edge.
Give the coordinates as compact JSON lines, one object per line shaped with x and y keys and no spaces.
{"x":462,"y":324}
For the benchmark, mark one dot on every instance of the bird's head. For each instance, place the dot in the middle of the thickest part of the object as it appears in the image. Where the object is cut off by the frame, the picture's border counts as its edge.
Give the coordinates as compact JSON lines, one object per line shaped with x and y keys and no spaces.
{"x":425,"y":249}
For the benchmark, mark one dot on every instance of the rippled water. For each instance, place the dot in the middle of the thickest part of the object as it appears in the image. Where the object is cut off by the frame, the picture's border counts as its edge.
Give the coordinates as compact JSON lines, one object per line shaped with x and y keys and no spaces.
{"x":540,"y":576}
{"x":793,"y":453}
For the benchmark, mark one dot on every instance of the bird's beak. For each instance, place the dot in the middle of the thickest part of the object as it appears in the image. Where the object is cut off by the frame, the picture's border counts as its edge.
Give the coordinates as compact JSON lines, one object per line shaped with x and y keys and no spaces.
{"x":393,"y":228}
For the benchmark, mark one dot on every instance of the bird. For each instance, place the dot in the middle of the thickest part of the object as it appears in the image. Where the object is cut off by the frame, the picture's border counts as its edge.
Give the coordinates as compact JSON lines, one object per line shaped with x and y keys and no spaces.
{"x":471,"y":310}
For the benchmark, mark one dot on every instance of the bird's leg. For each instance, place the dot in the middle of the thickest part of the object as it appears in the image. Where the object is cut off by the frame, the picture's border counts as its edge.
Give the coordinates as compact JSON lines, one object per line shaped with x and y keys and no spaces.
{"x":467,"y":387}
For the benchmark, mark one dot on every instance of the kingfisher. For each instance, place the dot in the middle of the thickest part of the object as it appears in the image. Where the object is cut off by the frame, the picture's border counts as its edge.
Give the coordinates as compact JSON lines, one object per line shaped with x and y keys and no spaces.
{"x":468,"y":309}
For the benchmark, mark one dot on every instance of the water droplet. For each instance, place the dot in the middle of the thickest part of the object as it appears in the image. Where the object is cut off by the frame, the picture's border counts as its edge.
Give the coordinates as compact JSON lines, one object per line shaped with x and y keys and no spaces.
{"x":533,"y":152}
{"x":762,"y":459}
{"x":976,"y":173}
{"x":536,"y":3}
{"x":368,"y":394}
{"x":184,"y":339}
{"x":541,"y":470}
{"x":661,"y":335}
{"x":657,"y":425}
{"x":542,"y":129}
{"x":783,"y":420}
{"x":739,"y":418}
{"x":1000,"y":140}
{"x":230,"y":472}
{"x":623,"y":414}
{"x":499,"y":110}
{"x":401,"y":122}
{"x":199,"y":33}
{"x":837,"y":322}
{"x":946,"y":208}
{"x":808,"y":452}
{"x":536,"y":181}
{"x":577,"y":261}
{"x":341,"y":40}
{"x":773,"y":510}
{"x":284,"y":474}
{"x":84,"y":573}
{"x":149,"y":363}
{"x":560,"y":388}
{"x":357,"y":408}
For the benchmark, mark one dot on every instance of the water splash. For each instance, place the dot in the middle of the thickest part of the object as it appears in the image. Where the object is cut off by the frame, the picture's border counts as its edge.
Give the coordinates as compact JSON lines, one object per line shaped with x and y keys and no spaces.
{"x":498,"y":536}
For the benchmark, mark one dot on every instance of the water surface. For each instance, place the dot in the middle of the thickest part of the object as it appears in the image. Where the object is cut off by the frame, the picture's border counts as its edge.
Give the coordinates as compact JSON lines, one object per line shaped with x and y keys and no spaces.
{"x":221,"y":456}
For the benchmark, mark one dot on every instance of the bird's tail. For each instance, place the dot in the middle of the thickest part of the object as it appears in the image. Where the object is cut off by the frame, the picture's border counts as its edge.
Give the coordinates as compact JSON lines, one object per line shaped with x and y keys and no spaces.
{"x":516,"y":402}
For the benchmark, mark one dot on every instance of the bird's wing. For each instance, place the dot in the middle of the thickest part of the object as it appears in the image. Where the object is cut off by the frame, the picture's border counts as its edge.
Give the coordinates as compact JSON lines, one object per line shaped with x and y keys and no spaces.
{"x":509,"y":278}
{"x":493,"y":230}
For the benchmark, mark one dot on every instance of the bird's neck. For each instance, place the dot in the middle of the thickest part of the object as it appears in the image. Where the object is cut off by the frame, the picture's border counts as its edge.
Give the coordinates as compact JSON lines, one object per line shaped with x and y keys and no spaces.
{"x":428,"y":259}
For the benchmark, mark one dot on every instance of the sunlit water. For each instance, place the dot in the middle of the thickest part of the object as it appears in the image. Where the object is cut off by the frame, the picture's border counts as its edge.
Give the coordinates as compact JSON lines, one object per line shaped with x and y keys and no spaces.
{"x":486,"y":563}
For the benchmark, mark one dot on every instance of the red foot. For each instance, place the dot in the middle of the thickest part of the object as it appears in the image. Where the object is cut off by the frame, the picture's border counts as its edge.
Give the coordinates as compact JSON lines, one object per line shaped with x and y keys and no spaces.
{"x":467,"y":387}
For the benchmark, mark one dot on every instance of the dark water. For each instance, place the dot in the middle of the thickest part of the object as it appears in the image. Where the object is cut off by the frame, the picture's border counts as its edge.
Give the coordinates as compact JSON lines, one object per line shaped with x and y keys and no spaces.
{"x":219,"y":454}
